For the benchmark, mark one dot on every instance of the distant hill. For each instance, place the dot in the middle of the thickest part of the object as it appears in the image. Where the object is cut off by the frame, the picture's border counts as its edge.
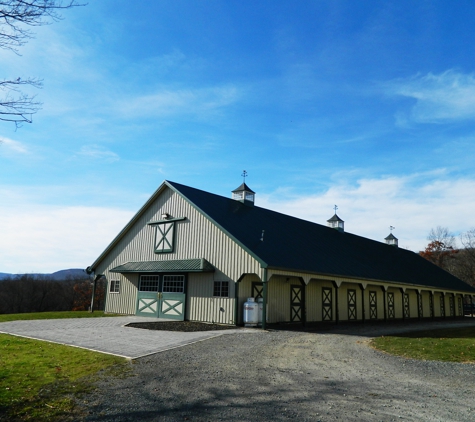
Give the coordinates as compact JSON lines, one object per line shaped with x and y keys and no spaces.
{"x":58,"y":275}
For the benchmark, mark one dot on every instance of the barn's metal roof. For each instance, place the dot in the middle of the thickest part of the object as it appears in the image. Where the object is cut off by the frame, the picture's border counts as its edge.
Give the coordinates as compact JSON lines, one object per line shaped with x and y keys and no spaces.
{"x":181,"y":265}
{"x":293,"y":244}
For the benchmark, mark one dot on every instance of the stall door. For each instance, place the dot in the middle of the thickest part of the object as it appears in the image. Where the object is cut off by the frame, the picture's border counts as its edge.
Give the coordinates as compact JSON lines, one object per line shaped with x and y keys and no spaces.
{"x":161,"y":298}
{"x":148,"y":296}
{"x":172,"y":298}
{"x":296,"y":303}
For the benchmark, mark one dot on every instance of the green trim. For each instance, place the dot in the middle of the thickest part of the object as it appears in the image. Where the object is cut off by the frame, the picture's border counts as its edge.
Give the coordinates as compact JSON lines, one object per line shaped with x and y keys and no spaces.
{"x":198,"y":265}
{"x":155,"y":223}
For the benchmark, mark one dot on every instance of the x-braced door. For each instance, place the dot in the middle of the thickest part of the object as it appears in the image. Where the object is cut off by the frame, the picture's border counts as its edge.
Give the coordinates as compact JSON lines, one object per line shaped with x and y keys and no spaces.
{"x":296,"y":303}
{"x":327,"y":304}
{"x":419,"y":305}
{"x":460,"y":306}
{"x":442,"y":306}
{"x":373,"y":305}
{"x":431,"y":305}
{"x":391,"y":313}
{"x":407,"y":311}
{"x":172,"y":303}
{"x":257,"y":290}
{"x":351,"y":304}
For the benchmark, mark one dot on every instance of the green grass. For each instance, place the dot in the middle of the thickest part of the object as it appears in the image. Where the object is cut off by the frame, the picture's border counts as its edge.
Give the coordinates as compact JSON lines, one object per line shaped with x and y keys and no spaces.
{"x":54,"y":315}
{"x":38,"y":379}
{"x":449,"y":345}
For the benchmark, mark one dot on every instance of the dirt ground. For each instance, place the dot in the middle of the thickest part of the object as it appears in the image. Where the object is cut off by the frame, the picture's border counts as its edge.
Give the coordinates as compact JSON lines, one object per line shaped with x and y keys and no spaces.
{"x":320,"y":375}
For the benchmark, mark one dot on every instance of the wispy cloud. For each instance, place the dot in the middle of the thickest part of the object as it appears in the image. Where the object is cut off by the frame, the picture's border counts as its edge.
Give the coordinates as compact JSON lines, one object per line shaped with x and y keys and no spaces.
{"x":13,"y":146}
{"x":438,"y":98}
{"x":414,"y":204}
{"x":168,"y":102}
{"x":98,"y":152}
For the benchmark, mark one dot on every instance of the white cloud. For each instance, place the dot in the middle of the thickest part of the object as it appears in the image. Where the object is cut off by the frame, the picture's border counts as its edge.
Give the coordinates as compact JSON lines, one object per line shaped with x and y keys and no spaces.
{"x":413,"y":204}
{"x":438,"y":98}
{"x":99,"y":153}
{"x":13,"y":146}
{"x":49,"y":238}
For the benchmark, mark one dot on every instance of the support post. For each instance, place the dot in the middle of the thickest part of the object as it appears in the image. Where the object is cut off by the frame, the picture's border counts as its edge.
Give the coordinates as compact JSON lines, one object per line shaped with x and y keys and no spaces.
{"x":236,"y":302}
{"x":362,"y":287}
{"x":264,"y":296}
{"x":403,"y":305}
{"x":304,"y":302}
{"x":383,"y":288}
{"x":337,"y":305}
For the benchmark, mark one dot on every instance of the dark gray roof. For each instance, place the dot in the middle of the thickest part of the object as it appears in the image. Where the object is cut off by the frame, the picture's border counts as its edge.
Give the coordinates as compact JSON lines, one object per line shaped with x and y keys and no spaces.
{"x":181,"y":265}
{"x":242,"y":188}
{"x":390,"y":237}
{"x":294,"y":244}
{"x":335,"y":218}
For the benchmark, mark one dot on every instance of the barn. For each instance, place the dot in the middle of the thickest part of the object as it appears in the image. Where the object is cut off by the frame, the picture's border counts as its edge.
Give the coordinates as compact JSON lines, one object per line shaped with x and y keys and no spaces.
{"x":192,"y":255}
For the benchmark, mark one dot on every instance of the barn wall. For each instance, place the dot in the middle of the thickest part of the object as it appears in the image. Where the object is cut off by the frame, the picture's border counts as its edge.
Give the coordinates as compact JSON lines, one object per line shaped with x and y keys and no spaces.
{"x":202,"y":306}
{"x":195,"y":237}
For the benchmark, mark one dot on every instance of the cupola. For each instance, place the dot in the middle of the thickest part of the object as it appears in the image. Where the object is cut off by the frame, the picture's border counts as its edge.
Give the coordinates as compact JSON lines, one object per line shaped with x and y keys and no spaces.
{"x":391,"y":239}
{"x":336,"y":222}
{"x":244,"y":193}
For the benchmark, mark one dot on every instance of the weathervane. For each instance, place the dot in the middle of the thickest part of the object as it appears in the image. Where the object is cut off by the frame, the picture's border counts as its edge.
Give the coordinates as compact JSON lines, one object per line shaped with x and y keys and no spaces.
{"x":244,"y":175}
{"x":335,"y":208}
{"x":391,"y":228}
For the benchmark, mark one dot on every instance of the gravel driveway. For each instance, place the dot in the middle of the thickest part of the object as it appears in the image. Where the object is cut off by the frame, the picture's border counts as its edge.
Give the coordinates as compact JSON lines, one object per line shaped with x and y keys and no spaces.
{"x":327,"y":375}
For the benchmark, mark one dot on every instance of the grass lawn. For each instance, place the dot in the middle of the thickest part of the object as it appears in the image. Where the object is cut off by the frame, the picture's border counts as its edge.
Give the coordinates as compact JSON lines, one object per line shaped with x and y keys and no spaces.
{"x":54,"y":315}
{"x":449,"y":345}
{"x":38,"y":379}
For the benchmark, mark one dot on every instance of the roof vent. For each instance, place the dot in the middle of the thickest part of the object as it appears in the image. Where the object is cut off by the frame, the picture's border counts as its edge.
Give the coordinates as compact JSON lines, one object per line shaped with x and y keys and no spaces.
{"x":336,"y":222}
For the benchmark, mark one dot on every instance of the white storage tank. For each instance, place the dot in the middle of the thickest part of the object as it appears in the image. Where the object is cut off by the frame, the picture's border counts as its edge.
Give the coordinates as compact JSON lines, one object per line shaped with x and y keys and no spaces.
{"x":250,"y":316}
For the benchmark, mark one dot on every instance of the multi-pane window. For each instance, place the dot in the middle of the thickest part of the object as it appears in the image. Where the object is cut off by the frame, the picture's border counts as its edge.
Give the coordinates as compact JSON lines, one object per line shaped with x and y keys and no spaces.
{"x":115,"y":286}
{"x":173,"y":284}
{"x":149,"y":283}
{"x":221,"y":289}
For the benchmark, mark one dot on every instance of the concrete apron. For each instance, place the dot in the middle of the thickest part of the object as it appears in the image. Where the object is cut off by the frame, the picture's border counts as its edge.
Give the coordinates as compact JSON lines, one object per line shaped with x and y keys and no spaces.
{"x":108,"y":335}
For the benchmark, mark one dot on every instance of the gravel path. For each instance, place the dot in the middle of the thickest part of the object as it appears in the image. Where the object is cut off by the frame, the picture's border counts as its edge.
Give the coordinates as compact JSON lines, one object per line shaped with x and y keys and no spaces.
{"x":327,"y":375}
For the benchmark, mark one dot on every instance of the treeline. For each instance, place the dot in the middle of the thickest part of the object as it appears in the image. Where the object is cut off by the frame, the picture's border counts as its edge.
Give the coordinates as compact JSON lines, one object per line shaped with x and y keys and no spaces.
{"x":42,"y":293}
{"x":444,"y":250}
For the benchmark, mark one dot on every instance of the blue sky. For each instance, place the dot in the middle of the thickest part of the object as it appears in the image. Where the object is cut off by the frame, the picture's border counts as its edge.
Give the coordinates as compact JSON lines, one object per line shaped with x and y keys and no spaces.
{"x":368,"y":105}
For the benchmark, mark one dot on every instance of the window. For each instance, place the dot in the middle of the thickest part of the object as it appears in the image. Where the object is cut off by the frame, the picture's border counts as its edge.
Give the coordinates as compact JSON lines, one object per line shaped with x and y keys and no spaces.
{"x":173,"y":284}
{"x":115,"y":286}
{"x":164,"y":236}
{"x":148,"y":283}
{"x":221,"y":289}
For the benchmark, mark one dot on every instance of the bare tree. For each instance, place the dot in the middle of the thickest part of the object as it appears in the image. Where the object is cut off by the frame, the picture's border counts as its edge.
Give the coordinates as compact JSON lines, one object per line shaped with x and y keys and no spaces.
{"x":16,"y":19}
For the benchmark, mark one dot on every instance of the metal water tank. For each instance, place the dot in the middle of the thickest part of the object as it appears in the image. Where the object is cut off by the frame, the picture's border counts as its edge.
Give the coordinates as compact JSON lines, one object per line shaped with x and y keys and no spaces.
{"x":250,"y":316}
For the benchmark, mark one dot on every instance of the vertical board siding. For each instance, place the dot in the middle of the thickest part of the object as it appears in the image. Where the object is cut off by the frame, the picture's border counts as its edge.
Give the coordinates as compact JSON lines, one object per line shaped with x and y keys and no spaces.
{"x":202,"y":306}
{"x":123,"y":302}
{"x":195,"y":237}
